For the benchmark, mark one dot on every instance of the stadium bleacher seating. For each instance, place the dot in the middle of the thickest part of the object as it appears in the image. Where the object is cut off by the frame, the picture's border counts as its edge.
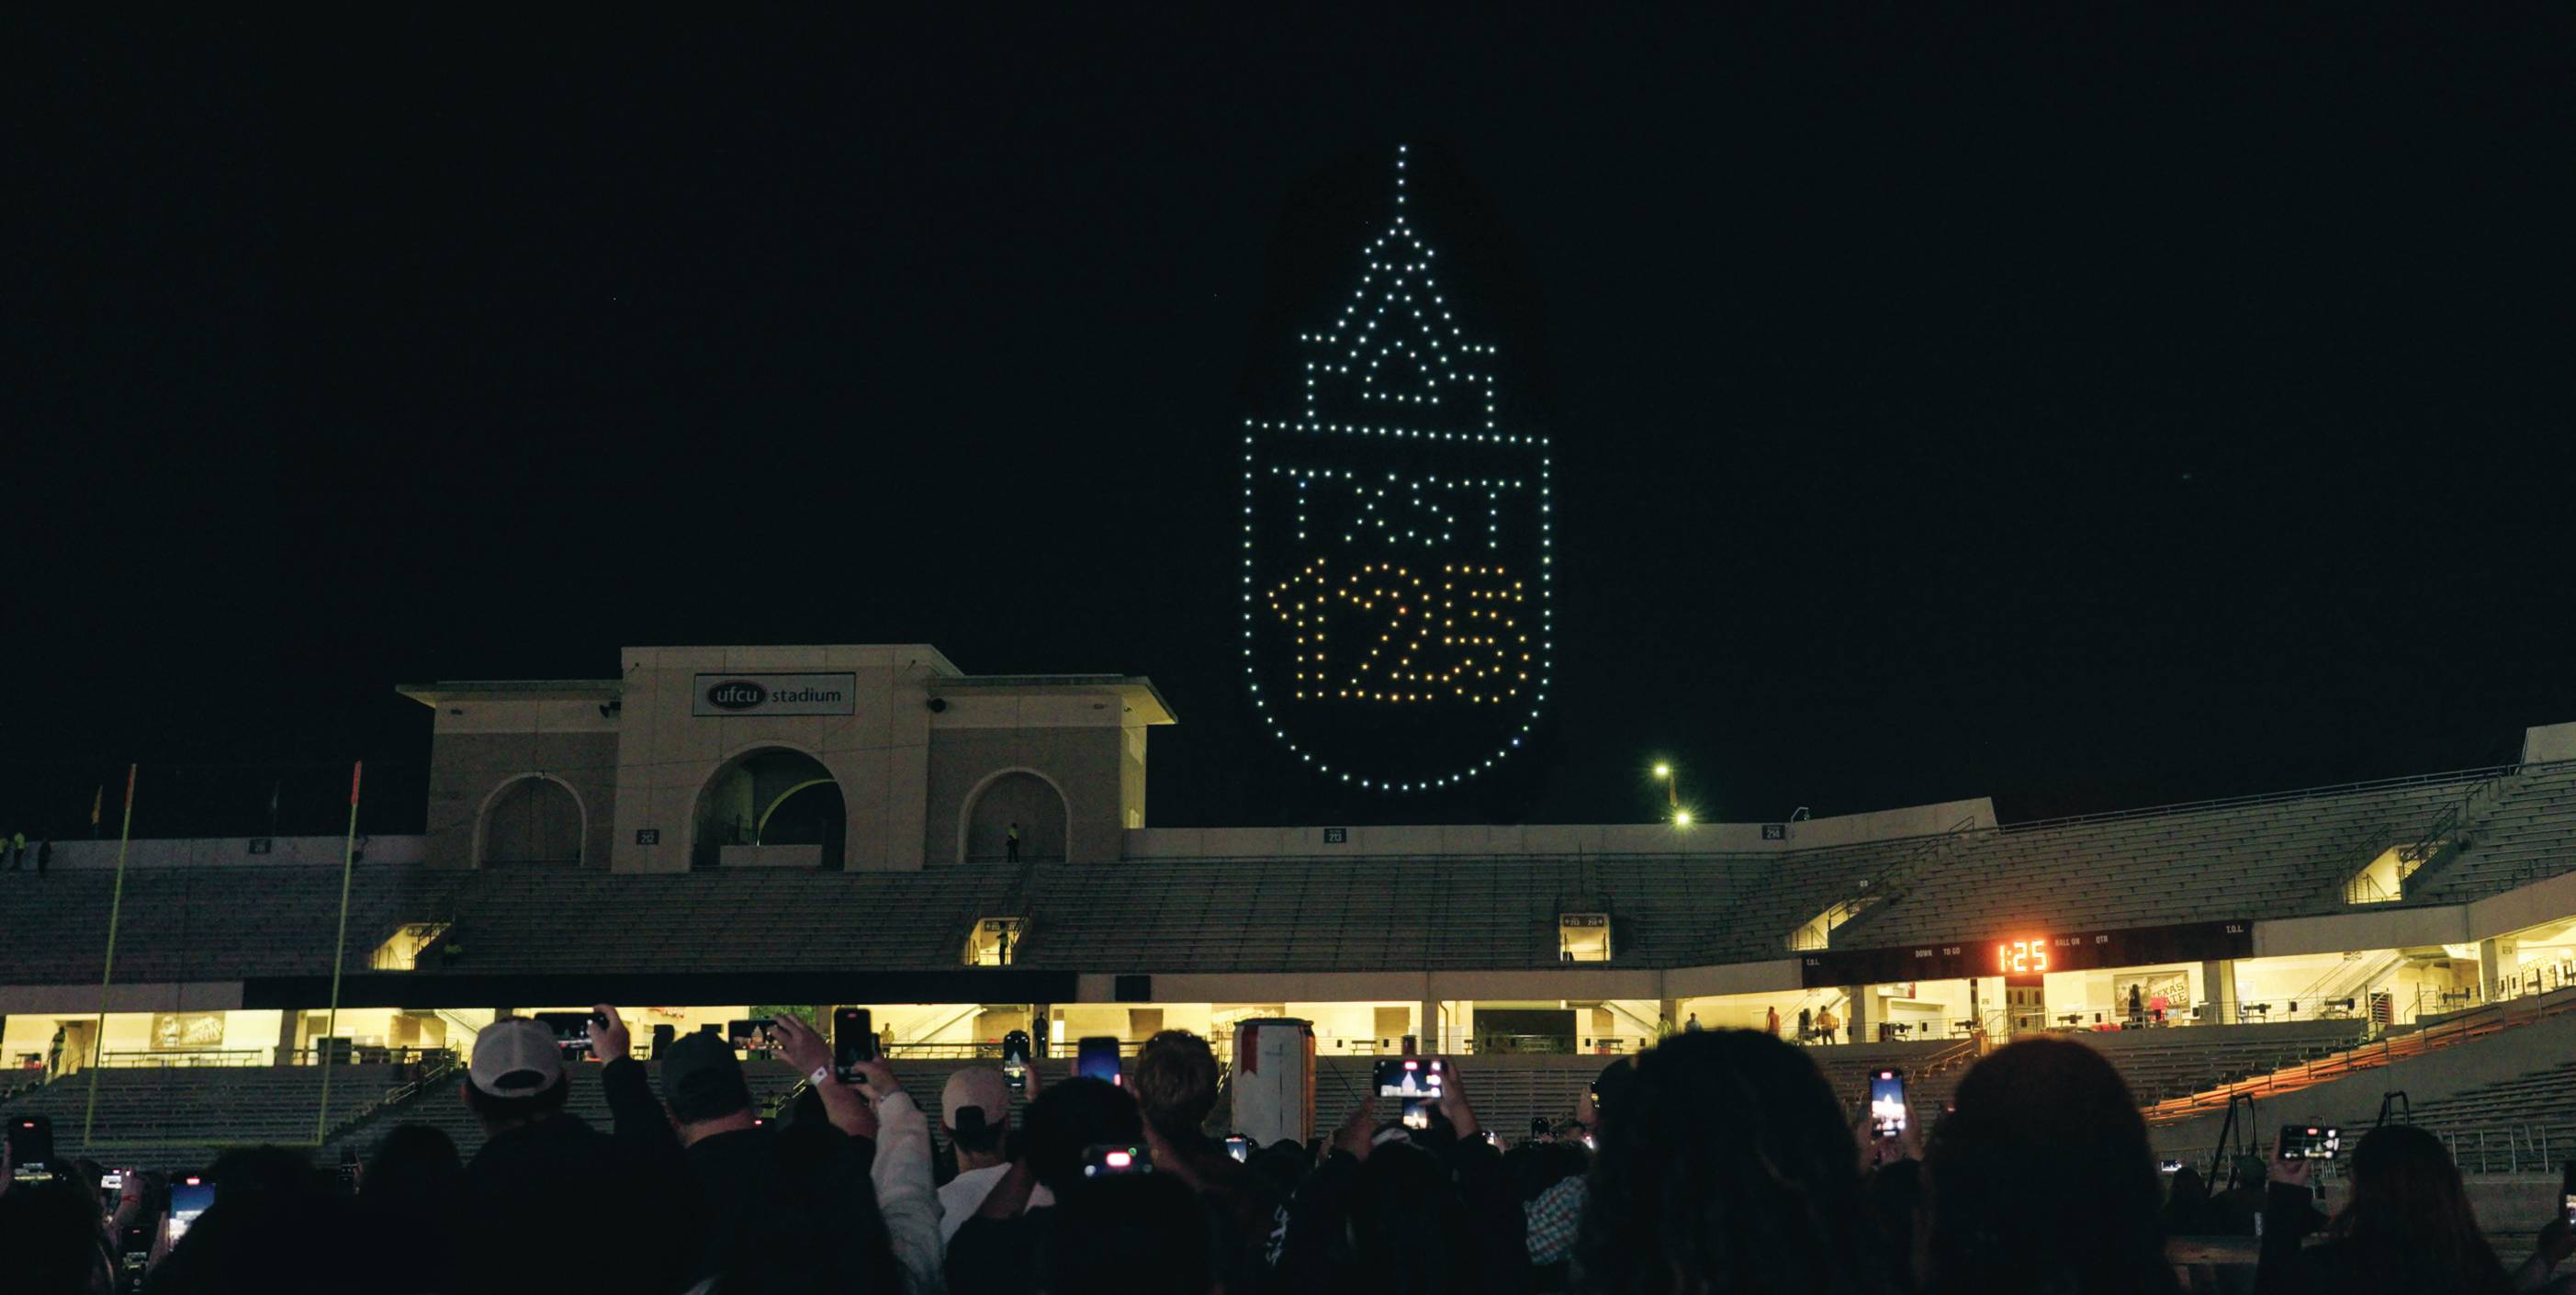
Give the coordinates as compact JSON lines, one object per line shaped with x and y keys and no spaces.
{"x":174,"y":1117}
{"x":2273,"y":856}
{"x":2541,"y":1098}
{"x":208,"y":923}
{"x":2263,"y":857}
{"x":2527,"y":832}
{"x":2158,"y":1064}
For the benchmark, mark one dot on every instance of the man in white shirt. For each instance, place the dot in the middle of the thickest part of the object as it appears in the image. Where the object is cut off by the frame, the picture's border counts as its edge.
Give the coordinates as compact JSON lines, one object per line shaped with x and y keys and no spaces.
{"x":975,"y":1109}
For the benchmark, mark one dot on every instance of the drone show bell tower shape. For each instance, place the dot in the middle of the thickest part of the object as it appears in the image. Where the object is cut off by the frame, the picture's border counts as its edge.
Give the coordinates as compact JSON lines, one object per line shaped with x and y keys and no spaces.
{"x":1396,"y":556}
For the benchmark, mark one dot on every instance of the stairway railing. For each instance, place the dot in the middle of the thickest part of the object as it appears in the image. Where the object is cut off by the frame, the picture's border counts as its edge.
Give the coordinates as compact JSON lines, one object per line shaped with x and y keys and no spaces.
{"x":432,"y":1075}
{"x":2474,"y":1023}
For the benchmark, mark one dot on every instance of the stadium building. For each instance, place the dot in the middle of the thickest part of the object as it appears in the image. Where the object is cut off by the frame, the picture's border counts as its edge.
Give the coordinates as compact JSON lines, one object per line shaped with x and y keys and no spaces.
{"x":719,"y":834}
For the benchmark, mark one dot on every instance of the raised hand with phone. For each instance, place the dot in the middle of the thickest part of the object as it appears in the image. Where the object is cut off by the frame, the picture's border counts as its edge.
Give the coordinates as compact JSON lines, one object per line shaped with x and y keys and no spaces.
{"x":609,"y":1040}
{"x":1453,"y":1101}
{"x":850,"y":1110}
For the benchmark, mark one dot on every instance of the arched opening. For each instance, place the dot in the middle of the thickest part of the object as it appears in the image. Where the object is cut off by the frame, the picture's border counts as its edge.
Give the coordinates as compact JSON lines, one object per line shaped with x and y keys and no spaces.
{"x":771,"y":797}
{"x":1016,"y":797}
{"x":533,"y":821}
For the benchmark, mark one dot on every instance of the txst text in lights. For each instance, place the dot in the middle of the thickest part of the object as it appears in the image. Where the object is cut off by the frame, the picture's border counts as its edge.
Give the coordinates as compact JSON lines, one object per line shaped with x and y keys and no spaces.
{"x":1398,"y":561}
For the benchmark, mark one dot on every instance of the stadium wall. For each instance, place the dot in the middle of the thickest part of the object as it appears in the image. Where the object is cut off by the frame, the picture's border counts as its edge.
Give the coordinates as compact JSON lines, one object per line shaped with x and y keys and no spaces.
{"x":1578,"y":838}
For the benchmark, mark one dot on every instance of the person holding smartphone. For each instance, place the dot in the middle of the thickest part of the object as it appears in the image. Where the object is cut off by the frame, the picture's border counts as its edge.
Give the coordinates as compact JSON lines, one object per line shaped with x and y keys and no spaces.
{"x":899,"y":1170}
{"x":544,"y":1173}
{"x":757,"y":1207}
{"x":2406,"y":1227}
{"x":1388,"y":1199}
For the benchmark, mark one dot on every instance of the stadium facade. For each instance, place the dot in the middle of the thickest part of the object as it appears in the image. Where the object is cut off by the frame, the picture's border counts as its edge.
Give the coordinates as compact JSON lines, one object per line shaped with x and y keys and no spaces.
{"x":723,"y":830}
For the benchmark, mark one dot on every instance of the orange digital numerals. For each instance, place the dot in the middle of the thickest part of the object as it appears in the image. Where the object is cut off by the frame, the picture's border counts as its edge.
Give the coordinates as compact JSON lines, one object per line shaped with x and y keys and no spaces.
{"x":2022,"y":957}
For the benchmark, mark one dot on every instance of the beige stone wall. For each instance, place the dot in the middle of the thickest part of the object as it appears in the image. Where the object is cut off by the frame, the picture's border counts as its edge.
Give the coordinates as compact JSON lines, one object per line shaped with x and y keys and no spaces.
{"x":469,"y":768}
{"x":878,"y":754}
{"x":906,"y":772}
{"x":1082,"y":763}
{"x":1131,"y":777}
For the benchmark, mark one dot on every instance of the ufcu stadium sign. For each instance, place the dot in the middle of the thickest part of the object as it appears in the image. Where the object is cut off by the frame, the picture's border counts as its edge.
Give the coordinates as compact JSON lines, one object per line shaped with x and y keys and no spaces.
{"x":775,"y":694}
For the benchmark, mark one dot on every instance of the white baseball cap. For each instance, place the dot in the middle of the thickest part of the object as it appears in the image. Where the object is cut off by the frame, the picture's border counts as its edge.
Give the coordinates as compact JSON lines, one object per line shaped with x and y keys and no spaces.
{"x":981,"y":1087}
{"x":516,"y":1058}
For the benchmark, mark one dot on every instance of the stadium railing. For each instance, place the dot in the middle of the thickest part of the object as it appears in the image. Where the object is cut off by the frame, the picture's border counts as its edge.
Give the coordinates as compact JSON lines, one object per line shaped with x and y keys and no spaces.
{"x":2451,"y":1031}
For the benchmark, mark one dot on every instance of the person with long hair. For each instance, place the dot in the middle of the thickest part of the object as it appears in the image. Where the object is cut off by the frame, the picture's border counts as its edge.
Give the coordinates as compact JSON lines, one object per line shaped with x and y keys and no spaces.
{"x":2042,"y":1182}
{"x":1726,"y":1166}
{"x":2407,"y":1227}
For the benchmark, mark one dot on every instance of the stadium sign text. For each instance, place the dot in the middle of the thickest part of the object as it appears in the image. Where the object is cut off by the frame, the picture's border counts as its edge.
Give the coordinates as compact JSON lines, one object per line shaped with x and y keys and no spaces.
{"x":775,"y":694}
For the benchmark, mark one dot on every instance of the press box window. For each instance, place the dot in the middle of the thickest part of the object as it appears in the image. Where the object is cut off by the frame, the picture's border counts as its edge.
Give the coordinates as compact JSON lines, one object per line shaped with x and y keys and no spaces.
{"x":1583,"y":937}
{"x":995,"y":941}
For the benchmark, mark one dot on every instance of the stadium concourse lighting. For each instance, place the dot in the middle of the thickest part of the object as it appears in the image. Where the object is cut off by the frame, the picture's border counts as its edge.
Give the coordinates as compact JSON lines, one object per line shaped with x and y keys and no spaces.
{"x":1681,"y":818}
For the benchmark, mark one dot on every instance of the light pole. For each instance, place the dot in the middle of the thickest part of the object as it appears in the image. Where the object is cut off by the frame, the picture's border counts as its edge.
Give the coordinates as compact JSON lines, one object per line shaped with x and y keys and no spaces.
{"x":1672,"y":792}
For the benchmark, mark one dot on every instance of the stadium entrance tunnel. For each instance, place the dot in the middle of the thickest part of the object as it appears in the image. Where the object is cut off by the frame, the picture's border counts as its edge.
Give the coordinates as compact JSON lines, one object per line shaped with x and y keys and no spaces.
{"x":1015,"y":796}
{"x":774,"y":806}
{"x":531,"y":821}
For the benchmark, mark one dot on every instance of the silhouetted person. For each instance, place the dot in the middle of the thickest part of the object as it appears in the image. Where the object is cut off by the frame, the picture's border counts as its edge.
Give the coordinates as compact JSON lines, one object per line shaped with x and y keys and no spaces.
{"x":2187,"y":1204}
{"x":544,"y":1173}
{"x":1011,"y":844}
{"x":2407,"y":1228}
{"x":2041,"y":1181}
{"x":996,"y":1252}
{"x":410,"y":1184}
{"x":1129,"y":1234}
{"x":1726,"y":1164}
{"x":50,"y":1236}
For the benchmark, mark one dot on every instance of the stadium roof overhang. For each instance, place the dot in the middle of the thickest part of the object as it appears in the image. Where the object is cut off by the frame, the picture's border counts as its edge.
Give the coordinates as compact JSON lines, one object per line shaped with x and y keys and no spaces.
{"x":434,"y":989}
{"x":441,"y":693}
{"x":1143,"y":700}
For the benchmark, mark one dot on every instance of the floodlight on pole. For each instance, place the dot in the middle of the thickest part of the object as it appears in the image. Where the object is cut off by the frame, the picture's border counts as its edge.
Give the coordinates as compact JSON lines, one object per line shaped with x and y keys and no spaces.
{"x":1672,"y":793}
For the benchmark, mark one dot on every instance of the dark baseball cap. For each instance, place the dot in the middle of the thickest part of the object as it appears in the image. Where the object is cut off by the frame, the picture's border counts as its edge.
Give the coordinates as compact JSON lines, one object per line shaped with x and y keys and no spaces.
{"x":701,"y":1074}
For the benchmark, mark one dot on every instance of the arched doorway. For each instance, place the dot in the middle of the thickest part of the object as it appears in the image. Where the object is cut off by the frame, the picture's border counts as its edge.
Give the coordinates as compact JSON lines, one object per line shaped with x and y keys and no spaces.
{"x":771,"y":796}
{"x":1019,"y":796}
{"x":532,"y":821}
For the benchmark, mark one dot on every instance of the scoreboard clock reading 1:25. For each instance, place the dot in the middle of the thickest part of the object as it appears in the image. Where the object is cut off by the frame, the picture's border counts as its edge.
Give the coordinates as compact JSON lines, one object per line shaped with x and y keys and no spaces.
{"x":2017,"y":954}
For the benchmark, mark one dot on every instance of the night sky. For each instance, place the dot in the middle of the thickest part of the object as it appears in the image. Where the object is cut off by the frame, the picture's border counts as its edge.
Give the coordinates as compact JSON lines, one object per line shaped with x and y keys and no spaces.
{"x":2099,"y":408}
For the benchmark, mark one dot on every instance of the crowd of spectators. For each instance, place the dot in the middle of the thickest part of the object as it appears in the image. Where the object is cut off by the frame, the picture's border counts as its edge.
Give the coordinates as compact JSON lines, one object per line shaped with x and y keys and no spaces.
{"x":1719,"y":1161}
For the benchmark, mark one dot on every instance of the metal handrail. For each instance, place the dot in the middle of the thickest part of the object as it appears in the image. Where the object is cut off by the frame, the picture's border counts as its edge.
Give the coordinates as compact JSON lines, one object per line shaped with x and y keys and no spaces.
{"x":435,"y":1073}
{"x":373,"y":1054}
{"x":185,"y":1058}
{"x":2475,"y":1022}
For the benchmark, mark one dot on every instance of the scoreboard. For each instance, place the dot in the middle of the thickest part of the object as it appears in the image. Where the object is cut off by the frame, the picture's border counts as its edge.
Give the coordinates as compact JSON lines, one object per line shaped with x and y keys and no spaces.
{"x":2015,"y":954}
